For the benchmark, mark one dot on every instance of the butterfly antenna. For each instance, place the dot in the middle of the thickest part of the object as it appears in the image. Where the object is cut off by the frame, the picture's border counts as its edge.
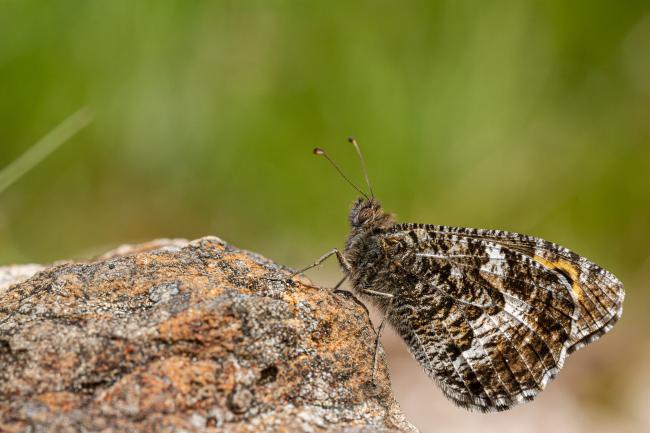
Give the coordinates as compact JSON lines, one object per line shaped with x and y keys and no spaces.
{"x":353,"y":141}
{"x":319,"y":151}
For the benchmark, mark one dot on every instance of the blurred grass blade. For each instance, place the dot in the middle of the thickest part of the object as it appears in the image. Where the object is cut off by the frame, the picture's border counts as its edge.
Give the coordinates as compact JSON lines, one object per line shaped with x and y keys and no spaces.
{"x":46,"y":145}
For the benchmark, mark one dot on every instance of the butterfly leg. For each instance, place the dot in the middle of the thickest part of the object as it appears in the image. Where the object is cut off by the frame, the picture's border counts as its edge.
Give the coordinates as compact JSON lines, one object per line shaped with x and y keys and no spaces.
{"x":336,"y":288}
{"x":324,"y":257}
{"x":342,"y":261}
{"x":376,"y":293}
{"x":376,"y":357}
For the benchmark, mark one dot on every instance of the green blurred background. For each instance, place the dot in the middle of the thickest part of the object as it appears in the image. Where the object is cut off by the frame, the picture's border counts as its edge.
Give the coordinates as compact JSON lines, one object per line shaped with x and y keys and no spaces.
{"x":525,"y":116}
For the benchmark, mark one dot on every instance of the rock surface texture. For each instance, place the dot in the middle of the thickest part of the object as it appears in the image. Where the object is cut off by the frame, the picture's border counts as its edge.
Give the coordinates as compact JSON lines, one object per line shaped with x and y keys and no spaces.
{"x":177,"y":336}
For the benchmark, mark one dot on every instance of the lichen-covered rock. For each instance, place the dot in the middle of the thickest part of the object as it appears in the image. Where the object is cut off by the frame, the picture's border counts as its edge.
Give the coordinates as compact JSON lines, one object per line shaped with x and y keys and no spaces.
{"x":174,"y":336}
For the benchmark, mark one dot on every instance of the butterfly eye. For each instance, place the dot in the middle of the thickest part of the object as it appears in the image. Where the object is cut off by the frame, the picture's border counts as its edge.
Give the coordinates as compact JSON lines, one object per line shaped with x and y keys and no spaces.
{"x":365,"y":215}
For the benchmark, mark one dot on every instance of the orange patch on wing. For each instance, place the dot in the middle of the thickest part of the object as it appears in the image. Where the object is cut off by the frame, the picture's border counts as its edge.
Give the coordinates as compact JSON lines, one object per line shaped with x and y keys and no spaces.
{"x":567,"y":269}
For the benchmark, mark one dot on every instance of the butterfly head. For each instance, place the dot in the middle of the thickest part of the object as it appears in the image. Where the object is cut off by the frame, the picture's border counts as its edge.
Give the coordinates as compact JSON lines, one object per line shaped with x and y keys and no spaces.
{"x":366,"y":213}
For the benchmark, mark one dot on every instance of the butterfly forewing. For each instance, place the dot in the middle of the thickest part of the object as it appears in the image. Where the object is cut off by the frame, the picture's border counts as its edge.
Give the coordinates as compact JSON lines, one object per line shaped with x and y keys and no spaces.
{"x":491,"y":315}
{"x":597,"y":292}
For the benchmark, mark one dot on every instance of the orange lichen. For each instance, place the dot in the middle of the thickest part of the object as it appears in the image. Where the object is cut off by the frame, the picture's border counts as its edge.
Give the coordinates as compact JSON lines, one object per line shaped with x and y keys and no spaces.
{"x":59,"y":401}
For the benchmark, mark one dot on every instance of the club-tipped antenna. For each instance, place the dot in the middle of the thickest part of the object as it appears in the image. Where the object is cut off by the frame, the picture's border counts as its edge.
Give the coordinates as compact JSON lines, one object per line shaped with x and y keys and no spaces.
{"x":353,"y":141}
{"x":319,"y":151}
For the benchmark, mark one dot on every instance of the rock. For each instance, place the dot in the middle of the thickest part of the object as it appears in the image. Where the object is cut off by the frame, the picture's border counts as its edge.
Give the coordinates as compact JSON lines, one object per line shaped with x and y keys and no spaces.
{"x":177,"y":336}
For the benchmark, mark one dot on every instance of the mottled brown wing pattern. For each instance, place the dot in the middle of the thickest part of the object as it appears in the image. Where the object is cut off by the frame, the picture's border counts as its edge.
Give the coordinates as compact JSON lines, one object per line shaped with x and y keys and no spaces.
{"x":491,"y":315}
{"x":599,"y":294}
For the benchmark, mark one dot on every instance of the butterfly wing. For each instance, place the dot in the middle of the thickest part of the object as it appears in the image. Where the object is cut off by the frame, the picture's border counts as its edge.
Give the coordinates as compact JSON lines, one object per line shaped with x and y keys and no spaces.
{"x":491,"y":315}
{"x":599,"y":293}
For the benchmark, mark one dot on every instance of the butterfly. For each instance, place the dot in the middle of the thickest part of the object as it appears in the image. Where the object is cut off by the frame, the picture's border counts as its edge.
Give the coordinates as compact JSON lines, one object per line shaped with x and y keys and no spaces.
{"x":490,"y":315}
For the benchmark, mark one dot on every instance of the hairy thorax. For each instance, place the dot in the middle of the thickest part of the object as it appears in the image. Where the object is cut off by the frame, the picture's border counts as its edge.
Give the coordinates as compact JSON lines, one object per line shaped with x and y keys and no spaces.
{"x":366,"y":252}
